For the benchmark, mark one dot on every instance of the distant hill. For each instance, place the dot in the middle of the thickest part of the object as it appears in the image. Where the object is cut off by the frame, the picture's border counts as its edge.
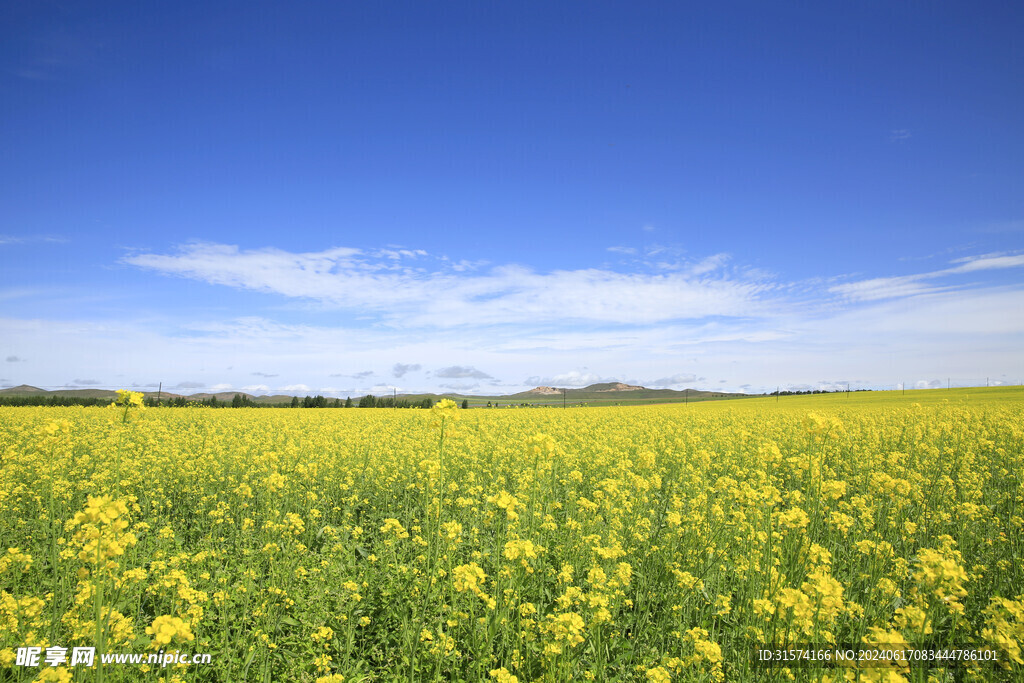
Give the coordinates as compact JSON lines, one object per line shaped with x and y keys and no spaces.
{"x":613,"y":386}
{"x":617,"y":390}
{"x":27,"y":390}
{"x":612,"y":392}
{"x":23,"y":390}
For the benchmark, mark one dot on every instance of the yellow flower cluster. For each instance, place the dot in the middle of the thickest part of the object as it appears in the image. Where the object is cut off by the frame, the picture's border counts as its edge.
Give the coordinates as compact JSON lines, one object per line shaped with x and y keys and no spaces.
{"x":166,"y":629}
{"x":469,"y":577}
{"x":102,"y":531}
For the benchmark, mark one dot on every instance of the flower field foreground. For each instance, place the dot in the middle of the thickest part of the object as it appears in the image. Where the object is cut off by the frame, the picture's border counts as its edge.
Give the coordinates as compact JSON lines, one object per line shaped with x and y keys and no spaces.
{"x":628,"y":544}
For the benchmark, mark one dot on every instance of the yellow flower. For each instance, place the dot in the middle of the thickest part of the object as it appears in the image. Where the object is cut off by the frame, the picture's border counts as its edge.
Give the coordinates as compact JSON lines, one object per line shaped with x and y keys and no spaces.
{"x":323,"y":634}
{"x":522,"y":549}
{"x":393,"y":526}
{"x":659,"y":675}
{"x":540,"y":445}
{"x":503,"y":676}
{"x":469,"y":577}
{"x":564,"y":628}
{"x":445,"y":410}
{"x":168,"y":628}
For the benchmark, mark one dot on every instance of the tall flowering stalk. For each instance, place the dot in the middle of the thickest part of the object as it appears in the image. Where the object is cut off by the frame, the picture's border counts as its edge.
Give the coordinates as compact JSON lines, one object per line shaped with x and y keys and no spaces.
{"x":444,"y":412}
{"x":128,"y":399}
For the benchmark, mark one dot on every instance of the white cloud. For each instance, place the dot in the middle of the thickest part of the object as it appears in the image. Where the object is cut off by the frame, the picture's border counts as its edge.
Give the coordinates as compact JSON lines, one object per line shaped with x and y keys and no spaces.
{"x":573,"y":378}
{"x":460,"y":372}
{"x":987,"y":262}
{"x":217,"y":388}
{"x":912,"y":285}
{"x":710,"y":264}
{"x":401,"y":369}
{"x":675,"y":380}
{"x":29,"y":239}
{"x":352,"y":280}
{"x":288,"y":387}
{"x":459,"y":386}
{"x":886,"y":288}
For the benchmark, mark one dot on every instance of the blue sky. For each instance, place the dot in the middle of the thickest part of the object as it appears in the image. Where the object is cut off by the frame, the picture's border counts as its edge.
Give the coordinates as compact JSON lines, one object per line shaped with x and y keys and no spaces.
{"x":482,"y":197}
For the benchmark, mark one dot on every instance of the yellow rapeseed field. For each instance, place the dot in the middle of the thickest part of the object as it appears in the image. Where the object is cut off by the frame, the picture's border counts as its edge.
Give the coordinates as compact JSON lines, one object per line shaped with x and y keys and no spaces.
{"x":664,"y":543}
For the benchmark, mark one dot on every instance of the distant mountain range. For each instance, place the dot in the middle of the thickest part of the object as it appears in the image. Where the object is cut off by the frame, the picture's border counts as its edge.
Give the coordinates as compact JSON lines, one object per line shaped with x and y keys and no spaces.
{"x":606,"y":392}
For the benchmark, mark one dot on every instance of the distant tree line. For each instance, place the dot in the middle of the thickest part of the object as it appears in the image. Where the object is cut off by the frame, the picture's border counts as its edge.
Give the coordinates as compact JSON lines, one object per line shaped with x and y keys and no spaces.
{"x":52,"y":401}
{"x":239,"y":401}
{"x":813,"y":391}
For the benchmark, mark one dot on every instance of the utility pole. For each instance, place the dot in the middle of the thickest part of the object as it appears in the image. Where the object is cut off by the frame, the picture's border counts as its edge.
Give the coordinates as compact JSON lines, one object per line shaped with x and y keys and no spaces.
{"x":159,"y":391}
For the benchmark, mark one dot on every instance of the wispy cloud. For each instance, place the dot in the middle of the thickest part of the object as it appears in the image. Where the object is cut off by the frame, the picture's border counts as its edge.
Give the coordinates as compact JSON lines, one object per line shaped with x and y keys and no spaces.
{"x":920,"y":283}
{"x":973,"y":264}
{"x":30,"y":239}
{"x":437,"y":296}
{"x":86,"y":382}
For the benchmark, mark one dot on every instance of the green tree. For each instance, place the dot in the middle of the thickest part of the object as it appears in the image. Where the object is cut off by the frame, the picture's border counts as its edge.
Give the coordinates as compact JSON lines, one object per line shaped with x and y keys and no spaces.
{"x":465,"y":404}
{"x":295,"y":401}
